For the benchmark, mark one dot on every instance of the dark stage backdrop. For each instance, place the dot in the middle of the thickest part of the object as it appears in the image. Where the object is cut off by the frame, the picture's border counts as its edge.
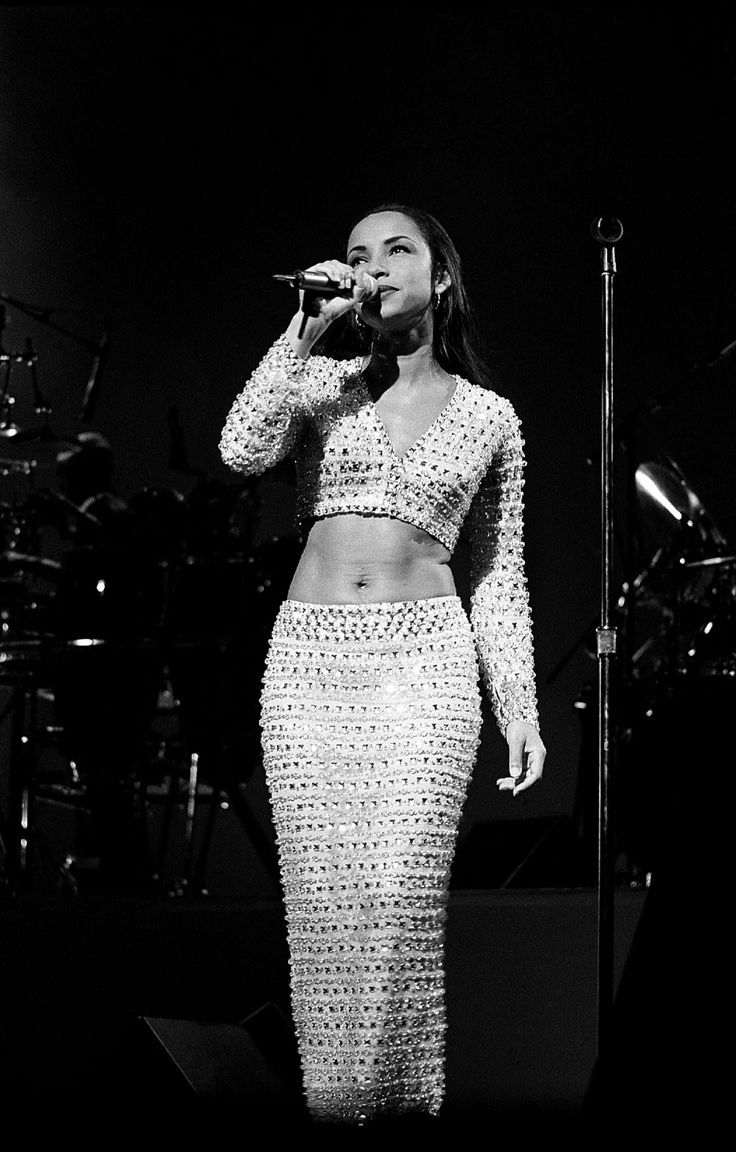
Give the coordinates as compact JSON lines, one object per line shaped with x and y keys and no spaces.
{"x":159,"y":164}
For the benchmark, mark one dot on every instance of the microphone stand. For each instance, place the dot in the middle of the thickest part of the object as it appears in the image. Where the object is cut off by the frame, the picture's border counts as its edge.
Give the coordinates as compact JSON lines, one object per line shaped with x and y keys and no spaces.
{"x":607,"y":232}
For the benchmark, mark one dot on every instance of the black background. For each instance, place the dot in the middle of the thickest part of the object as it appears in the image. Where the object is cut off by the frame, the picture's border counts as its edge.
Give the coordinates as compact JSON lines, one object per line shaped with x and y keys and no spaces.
{"x":159,"y":164}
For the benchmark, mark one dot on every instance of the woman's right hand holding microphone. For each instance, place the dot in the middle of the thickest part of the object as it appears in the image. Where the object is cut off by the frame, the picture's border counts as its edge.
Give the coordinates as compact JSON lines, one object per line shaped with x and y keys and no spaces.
{"x":311,"y":321}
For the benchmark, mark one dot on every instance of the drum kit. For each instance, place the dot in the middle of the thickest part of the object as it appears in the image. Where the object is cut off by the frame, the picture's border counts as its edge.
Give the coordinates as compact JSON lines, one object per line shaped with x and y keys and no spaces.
{"x":132,"y":636}
{"x":677,"y":613}
{"x":677,"y":670}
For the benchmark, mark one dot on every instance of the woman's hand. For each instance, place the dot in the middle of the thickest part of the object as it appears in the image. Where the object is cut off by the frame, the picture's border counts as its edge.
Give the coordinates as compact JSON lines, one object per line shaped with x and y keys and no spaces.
{"x":354,"y":281}
{"x":526,"y":757}
{"x":313,"y":319}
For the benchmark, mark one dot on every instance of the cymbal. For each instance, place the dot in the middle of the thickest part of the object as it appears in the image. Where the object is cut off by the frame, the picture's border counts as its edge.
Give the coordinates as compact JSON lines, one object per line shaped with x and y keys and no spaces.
{"x":39,"y":445}
{"x":35,"y":563}
{"x":665,"y":487}
{"x":712,"y":562}
{"x":673,"y":515}
{"x":42,"y":435}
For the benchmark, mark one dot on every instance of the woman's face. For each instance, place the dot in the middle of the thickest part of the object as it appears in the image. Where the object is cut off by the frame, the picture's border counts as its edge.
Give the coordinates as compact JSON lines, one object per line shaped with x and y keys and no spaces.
{"x":391,"y":249}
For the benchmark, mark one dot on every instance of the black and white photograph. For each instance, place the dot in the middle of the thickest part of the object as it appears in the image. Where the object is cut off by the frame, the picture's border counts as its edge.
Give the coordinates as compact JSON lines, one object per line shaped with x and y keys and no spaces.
{"x":367,"y":571}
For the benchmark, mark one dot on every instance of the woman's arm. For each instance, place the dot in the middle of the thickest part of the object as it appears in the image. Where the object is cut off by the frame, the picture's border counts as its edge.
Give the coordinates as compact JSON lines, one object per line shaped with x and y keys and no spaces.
{"x":265,"y":420}
{"x":499,"y":600}
{"x":499,"y":606}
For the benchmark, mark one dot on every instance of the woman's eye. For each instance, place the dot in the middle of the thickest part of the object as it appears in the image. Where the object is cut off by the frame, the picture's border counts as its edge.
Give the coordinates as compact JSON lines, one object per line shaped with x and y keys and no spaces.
{"x":398,"y":248}
{"x":355,"y":260}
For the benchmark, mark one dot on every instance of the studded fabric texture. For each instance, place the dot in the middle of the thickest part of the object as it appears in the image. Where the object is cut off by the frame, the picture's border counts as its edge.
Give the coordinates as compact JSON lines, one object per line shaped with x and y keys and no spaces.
{"x":465,"y":473}
{"x":370,"y":720}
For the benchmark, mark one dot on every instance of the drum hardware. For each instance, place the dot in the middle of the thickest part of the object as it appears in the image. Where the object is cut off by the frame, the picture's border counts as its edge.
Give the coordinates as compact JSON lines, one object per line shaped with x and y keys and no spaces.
{"x":678,"y":614}
{"x":17,"y":824}
{"x":9,"y":429}
{"x":189,"y":773}
{"x":99,"y":349}
{"x":16,"y":467}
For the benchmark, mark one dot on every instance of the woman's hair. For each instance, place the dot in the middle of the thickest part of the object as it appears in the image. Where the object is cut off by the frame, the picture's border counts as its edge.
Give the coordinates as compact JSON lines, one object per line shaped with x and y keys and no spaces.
{"x":456,"y":340}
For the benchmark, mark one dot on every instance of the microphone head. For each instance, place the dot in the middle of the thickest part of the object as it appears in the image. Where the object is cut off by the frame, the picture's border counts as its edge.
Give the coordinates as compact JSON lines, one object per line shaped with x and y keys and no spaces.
{"x":607,"y":229}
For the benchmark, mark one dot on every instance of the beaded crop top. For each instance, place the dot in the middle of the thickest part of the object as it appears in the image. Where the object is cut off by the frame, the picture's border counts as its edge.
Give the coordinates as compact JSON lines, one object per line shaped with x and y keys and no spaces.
{"x":465,"y":472}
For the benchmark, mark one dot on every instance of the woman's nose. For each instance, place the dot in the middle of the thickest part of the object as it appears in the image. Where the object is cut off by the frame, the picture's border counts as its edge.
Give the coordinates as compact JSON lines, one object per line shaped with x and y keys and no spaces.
{"x":376,"y":271}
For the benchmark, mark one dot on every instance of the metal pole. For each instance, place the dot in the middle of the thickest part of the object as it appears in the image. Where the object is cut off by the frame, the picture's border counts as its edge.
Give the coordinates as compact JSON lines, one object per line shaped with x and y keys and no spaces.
{"x":607,"y":232}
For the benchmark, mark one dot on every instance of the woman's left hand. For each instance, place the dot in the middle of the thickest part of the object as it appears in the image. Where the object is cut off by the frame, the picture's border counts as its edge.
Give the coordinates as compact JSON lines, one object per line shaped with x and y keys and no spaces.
{"x":526,"y":757}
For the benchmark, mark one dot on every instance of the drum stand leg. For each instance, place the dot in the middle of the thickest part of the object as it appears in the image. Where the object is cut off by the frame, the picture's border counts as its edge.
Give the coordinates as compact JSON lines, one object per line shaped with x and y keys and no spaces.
{"x":192,"y":880}
{"x":17,"y":839}
{"x":165,"y":839}
{"x":224,"y":790}
{"x":191,"y":812}
{"x":21,"y":854}
{"x":231,"y":795}
{"x":196,"y":849}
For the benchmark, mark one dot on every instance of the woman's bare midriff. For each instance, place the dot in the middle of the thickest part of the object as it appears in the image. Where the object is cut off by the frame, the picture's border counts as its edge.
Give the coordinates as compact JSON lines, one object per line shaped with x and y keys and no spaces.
{"x":350,"y":559}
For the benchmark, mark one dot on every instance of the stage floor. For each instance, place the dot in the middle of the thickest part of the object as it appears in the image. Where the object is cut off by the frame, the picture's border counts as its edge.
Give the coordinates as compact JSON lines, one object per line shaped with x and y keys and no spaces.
{"x":90,"y":984}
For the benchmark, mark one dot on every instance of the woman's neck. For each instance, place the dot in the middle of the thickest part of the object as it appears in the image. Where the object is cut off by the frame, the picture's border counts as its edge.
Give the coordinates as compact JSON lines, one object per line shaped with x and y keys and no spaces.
{"x":395,"y":360}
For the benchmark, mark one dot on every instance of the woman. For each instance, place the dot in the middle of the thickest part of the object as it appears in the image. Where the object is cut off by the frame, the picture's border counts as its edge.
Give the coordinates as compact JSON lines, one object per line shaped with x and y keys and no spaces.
{"x":371,"y":702}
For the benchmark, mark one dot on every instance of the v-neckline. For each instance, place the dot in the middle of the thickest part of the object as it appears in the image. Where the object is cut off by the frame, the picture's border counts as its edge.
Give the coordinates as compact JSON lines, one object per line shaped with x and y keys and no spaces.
{"x":378,"y":420}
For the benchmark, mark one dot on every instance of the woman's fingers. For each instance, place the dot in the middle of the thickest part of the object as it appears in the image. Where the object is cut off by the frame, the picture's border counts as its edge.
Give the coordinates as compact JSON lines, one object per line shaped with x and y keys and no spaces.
{"x":362,"y":285}
{"x":526,"y":766}
{"x":341,"y":273}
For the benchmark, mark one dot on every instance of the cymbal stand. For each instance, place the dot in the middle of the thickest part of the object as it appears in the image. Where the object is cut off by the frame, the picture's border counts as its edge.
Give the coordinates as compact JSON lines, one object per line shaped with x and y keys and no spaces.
{"x":607,"y":232}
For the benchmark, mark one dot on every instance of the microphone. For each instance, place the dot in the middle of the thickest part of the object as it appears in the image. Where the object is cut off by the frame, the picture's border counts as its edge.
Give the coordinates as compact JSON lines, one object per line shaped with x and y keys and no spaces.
{"x":318,"y":282}
{"x":607,"y":229}
{"x":93,"y":384}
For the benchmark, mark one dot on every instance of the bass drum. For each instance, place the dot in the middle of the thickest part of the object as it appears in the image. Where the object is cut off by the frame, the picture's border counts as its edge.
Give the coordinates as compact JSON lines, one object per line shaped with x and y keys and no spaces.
{"x":114,"y":584}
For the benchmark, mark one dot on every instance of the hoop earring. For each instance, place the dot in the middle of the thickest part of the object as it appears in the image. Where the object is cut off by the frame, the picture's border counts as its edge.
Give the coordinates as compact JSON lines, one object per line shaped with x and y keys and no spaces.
{"x":437,"y":300}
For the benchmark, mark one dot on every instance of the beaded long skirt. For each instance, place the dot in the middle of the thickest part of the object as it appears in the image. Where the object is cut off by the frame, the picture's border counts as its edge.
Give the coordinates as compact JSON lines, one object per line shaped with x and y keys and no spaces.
{"x":370,"y":717}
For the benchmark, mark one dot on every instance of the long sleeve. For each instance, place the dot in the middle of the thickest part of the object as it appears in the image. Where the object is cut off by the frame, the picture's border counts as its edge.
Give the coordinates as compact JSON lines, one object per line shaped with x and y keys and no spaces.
{"x":264,"y":422}
{"x":499,"y":602}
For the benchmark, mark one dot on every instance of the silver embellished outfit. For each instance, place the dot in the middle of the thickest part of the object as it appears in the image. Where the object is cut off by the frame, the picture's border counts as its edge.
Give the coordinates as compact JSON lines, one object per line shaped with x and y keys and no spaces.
{"x":370,"y":716}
